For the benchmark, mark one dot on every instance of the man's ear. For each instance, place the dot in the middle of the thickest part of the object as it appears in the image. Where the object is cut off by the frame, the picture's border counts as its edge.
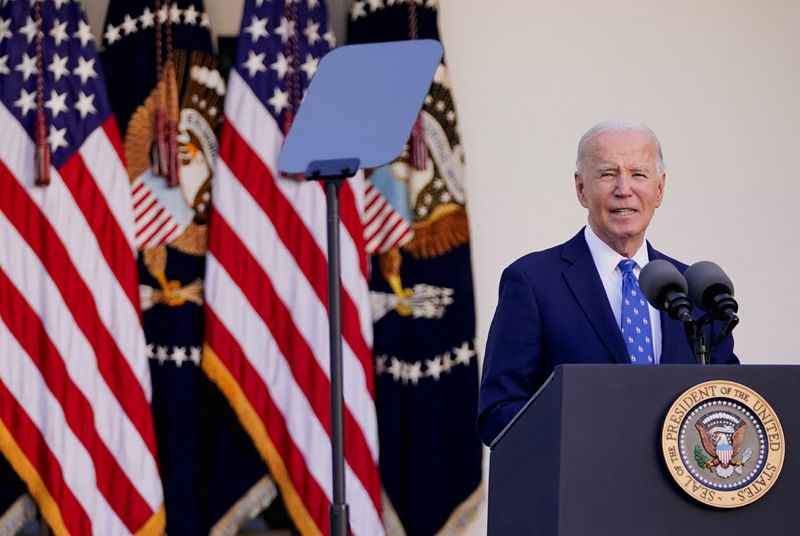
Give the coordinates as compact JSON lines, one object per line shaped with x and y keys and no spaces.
{"x":579,"y":190}
{"x":661,"y":184}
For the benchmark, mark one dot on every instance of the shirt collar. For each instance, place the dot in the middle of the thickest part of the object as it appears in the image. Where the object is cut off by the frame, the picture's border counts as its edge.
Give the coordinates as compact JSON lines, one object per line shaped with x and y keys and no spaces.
{"x":606,"y":259}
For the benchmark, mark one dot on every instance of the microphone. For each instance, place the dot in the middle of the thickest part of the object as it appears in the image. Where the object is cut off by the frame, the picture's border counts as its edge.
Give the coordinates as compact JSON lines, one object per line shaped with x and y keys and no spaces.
{"x":711,"y":289}
{"x":666,"y":289}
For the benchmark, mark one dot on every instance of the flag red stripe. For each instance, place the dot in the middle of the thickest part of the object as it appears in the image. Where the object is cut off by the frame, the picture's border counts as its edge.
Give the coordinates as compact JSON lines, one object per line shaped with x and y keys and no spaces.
{"x":137,"y":188}
{"x":234,"y":359}
{"x":110,"y":238}
{"x":157,"y":229}
{"x":259,"y":182}
{"x":383,"y":216}
{"x":256,"y":285}
{"x":387,"y":237}
{"x":144,"y":198}
{"x":27,"y":329}
{"x":35,"y":449}
{"x":143,"y":214}
{"x":36,"y":230}
{"x":352,"y":222}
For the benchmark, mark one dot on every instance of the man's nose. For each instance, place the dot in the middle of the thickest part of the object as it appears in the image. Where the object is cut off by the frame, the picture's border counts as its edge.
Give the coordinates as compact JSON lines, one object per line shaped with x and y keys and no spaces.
{"x":623,"y":185}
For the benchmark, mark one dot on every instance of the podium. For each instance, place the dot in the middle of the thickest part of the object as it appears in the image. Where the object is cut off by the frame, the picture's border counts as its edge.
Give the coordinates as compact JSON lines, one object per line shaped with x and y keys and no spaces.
{"x":584,"y":456}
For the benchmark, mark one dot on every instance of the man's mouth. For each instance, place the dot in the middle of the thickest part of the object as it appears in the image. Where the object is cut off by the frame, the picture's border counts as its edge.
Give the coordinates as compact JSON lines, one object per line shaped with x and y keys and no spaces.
{"x":623,"y":211}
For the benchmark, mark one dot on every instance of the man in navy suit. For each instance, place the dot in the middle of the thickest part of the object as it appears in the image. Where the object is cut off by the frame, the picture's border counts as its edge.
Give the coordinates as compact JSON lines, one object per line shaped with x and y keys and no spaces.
{"x":564,"y":304}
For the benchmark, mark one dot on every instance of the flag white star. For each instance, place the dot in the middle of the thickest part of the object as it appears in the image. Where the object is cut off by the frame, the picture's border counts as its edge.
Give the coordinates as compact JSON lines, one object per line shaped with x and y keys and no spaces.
{"x":448,"y":362}
{"x":257,"y":28}
{"x":190,"y":15}
{"x":204,"y":21}
{"x":281,"y":65}
{"x":330,"y":38}
{"x":129,"y":24}
{"x":112,"y":34}
{"x":29,"y":29}
{"x":60,"y":3}
{"x":57,"y":138}
{"x":358,"y":10}
{"x":26,"y":101}
{"x":4,"y":31}
{"x":312,"y":32}
{"x":85,"y":69}
{"x":85,"y":104}
{"x":310,"y":66}
{"x":59,"y":32}
{"x":147,"y":18}
{"x":84,"y":33}
{"x":375,"y":5}
{"x":395,"y":369}
{"x":285,"y":30}
{"x":162,"y":14}
{"x":463,"y":353}
{"x":56,"y":103}
{"x":27,"y":66}
{"x":174,"y":14}
{"x":255,"y":63}
{"x":312,"y":4}
{"x":58,"y":66}
{"x":4,"y":65}
{"x":150,"y":350}
{"x":179,"y":355}
{"x":279,"y":100}
{"x":434,"y":367}
{"x":161,"y":354}
{"x":194,"y":354}
{"x":414,"y":372}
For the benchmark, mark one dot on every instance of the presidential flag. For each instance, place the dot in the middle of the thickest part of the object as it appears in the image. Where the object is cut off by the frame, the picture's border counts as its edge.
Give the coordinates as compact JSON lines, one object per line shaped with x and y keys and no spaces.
{"x":422,"y":294}
{"x":165,"y":87}
{"x":266,"y":280}
{"x":75,"y":419}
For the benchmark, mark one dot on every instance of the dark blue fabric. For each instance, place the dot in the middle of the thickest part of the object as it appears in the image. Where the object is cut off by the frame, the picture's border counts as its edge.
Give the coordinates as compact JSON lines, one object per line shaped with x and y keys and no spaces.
{"x":130,"y":63}
{"x":430,"y":454}
{"x":553,"y":309}
{"x":207,"y":462}
{"x":11,"y":487}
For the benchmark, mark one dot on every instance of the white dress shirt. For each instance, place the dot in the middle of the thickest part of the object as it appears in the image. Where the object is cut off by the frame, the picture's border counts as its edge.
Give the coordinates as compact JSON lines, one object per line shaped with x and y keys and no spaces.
{"x":606,"y":260}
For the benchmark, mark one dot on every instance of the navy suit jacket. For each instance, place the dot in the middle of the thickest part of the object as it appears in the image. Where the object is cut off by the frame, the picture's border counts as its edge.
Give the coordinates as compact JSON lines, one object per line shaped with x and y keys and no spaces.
{"x":553,"y":309}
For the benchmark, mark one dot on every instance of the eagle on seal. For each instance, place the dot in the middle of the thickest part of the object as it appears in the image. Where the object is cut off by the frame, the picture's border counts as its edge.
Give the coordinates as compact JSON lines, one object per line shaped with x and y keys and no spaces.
{"x":722,"y":449}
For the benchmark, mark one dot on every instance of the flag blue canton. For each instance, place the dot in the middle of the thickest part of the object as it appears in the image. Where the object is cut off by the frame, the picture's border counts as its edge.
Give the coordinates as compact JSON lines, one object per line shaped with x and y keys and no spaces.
{"x":75,"y":100}
{"x":262,"y":58}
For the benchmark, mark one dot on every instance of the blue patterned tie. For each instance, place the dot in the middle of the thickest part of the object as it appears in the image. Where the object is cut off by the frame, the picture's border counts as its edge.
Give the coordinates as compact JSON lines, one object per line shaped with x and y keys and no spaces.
{"x":635,"y":318}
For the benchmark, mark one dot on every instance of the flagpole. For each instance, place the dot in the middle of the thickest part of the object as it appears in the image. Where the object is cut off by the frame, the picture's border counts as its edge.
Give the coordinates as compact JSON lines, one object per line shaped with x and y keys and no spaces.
{"x":339,"y":514}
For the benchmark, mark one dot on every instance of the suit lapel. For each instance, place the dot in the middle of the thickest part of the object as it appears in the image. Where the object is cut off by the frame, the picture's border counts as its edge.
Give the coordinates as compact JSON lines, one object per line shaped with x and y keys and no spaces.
{"x":583,"y":280}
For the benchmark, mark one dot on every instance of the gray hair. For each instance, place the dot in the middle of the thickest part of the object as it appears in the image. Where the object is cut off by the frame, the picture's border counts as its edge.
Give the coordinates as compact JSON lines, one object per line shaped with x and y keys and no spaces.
{"x":618,"y":125}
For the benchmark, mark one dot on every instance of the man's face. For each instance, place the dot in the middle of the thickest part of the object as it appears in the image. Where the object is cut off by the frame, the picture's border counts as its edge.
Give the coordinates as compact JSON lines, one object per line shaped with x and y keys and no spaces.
{"x":620,"y":186}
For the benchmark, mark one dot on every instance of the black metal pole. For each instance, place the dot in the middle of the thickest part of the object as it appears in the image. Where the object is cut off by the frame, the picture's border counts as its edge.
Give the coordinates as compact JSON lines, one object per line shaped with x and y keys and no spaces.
{"x":340,"y":522}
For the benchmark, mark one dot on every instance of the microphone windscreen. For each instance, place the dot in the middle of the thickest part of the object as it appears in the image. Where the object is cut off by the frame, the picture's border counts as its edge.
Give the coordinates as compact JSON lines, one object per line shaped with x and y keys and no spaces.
{"x":707,"y":280}
{"x":656,"y":278}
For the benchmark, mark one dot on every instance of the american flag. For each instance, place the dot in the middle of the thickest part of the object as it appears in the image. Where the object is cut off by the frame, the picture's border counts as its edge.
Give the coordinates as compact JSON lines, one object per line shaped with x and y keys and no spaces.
{"x":75,"y":420}
{"x":266,"y":273}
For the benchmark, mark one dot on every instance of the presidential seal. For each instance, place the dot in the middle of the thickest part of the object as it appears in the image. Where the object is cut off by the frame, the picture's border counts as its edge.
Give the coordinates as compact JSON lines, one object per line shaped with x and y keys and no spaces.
{"x":723,"y":444}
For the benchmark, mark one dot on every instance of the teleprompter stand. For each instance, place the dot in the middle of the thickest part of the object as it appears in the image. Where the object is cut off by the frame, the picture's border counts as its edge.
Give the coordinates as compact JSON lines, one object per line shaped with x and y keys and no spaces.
{"x":358,"y":112}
